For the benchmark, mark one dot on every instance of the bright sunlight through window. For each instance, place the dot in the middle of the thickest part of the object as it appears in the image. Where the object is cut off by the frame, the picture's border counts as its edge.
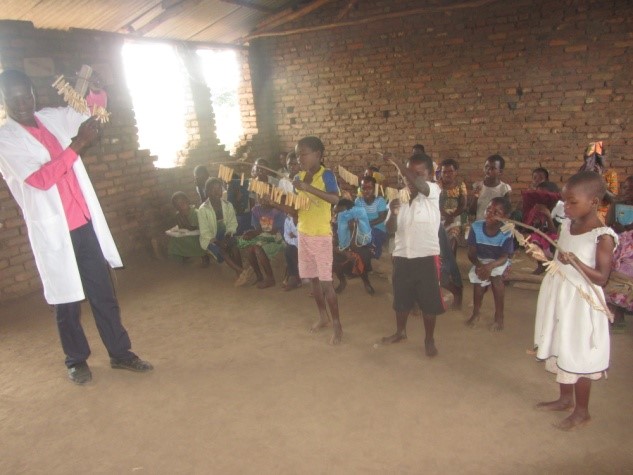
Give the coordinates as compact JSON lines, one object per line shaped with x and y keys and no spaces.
{"x":222,"y":74}
{"x":156,"y":79}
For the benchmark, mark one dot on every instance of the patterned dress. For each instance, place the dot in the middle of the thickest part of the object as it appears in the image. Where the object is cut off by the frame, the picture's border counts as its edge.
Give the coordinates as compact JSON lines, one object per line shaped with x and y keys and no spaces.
{"x":449,"y":202}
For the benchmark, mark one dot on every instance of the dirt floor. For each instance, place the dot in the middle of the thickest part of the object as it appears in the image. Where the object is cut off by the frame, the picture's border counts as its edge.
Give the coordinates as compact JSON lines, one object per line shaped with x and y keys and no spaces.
{"x":240,"y":386}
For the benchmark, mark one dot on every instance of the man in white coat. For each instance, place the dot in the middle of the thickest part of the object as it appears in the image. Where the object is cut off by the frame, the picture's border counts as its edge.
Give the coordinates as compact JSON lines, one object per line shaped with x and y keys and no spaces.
{"x":70,"y":239}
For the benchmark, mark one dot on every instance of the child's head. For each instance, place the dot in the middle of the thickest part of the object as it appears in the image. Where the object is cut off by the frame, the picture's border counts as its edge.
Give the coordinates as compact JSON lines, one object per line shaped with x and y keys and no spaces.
{"x":493,"y":168}
{"x":370,"y":170}
{"x":257,"y":171}
{"x":582,"y":194}
{"x":422,"y":165}
{"x":214,"y":188}
{"x":343,"y":205}
{"x":310,"y":151}
{"x":200,"y":175}
{"x":417,"y":148}
{"x":292,"y":164}
{"x":180,"y":201}
{"x":498,"y":208}
{"x":368,"y":188}
{"x":539,"y":175}
{"x":448,"y":171}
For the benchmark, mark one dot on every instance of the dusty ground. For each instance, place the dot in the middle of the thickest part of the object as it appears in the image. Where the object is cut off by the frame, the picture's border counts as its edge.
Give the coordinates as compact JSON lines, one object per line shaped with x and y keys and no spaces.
{"x":241,"y":387}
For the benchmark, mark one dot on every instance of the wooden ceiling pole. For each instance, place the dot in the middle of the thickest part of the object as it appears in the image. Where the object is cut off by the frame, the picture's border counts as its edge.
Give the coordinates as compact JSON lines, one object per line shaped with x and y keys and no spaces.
{"x":364,"y":21}
{"x":252,"y":6}
{"x":289,"y":15}
{"x":346,"y":9}
{"x":171,"y":9}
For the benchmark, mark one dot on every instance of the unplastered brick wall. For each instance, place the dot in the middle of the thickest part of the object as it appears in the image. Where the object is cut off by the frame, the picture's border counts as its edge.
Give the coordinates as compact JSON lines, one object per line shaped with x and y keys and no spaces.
{"x":535,"y":81}
{"x":134,"y":195}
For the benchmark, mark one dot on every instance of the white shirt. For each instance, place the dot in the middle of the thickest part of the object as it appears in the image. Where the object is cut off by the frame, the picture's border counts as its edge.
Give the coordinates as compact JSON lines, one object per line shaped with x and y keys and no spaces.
{"x":418,"y":225}
{"x":486,"y":194}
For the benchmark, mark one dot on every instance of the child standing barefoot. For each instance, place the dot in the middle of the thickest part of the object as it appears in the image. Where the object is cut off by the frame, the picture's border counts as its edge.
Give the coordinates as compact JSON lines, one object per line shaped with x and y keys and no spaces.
{"x":572,"y":336}
{"x":416,"y":260}
{"x":315,"y":231}
{"x":488,"y":250}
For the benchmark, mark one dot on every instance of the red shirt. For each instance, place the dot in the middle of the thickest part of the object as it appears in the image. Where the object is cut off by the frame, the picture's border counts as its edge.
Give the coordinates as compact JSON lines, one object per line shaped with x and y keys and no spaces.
{"x":59,"y":171}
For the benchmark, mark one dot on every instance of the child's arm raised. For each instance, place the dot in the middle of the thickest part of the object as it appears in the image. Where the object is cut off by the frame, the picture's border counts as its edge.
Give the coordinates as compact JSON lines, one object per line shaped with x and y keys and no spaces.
{"x":604,"y":255}
{"x":392,"y":220}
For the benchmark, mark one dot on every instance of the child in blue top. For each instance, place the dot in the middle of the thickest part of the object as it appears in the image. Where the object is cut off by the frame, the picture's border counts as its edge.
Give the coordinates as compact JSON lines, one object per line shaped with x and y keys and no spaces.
{"x":489,"y":250}
{"x":376,"y":208}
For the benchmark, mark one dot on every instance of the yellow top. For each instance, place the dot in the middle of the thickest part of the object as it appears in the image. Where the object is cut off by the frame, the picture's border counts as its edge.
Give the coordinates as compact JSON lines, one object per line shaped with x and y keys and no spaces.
{"x":315,"y":221}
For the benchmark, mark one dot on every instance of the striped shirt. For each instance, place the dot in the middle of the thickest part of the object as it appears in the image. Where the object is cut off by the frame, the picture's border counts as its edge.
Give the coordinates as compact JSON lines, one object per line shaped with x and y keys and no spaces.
{"x":490,"y":247}
{"x":373,"y":210}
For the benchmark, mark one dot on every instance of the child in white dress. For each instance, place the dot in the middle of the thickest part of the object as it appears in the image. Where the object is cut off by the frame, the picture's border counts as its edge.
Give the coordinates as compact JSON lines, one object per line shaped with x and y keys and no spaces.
{"x":571,"y":334}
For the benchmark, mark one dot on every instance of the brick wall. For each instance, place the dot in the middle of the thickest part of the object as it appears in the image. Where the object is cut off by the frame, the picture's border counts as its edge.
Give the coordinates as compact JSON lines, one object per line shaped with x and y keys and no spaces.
{"x":532,"y":80}
{"x":134,"y":195}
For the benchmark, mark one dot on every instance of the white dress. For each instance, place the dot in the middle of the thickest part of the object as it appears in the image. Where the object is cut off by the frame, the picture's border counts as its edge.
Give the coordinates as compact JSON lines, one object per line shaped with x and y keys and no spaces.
{"x":569,"y":333}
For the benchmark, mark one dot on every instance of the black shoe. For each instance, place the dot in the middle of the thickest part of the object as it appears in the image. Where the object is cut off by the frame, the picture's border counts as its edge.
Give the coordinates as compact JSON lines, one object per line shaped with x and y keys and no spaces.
{"x":133,"y":364}
{"x":80,"y":373}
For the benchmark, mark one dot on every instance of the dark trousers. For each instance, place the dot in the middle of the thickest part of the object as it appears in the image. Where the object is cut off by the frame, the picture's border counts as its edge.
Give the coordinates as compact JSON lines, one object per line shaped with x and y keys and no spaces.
{"x":97,"y":285}
{"x":291,"y":253}
{"x":449,"y":272}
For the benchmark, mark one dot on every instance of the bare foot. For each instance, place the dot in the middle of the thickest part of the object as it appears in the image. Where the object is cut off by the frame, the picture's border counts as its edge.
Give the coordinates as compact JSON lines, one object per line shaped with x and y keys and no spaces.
{"x":573,"y":422}
{"x":369,"y":289}
{"x":265,"y":283}
{"x":341,"y":286}
{"x":558,"y":405}
{"x":429,"y":348}
{"x":472,"y":321}
{"x":338,"y":334}
{"x":497,"y":326}
{"x":320,"y":323}
{"x":292,"y":283}
{"x":395,"y":338}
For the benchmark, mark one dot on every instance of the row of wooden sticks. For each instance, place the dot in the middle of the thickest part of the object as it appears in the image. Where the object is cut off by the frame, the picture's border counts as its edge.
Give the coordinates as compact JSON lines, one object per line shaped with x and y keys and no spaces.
{"x":301,"y":201}
{"x":75,"y":100}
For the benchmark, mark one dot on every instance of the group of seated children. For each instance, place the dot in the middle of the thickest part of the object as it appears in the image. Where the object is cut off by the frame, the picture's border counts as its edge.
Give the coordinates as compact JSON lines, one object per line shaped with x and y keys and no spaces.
{"x":360,"y":234}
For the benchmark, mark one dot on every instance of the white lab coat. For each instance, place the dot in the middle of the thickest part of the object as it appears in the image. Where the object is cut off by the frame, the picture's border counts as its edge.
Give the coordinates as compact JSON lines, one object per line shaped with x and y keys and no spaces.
{"x":21,"y":155}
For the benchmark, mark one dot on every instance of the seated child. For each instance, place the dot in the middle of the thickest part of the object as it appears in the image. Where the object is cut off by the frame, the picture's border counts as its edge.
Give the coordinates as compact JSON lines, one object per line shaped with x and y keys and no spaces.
{"x":263,"y":242}
{"x":261,"y":171}
{"x":489,"y":250}
{"x":218,"y":224}
{"x":352,"y":256}
{"x":291,"y":252}
{"x":540,"y":180}
{"x":186,"y":246}
{"x":238,"y":195}
{"x":619,"y":290}
{"x":200,"y":177}
{"x":490,"y":187}
{"x":452,"y":201}
{"x":376,"y":209}
{"x":538,"y":206}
